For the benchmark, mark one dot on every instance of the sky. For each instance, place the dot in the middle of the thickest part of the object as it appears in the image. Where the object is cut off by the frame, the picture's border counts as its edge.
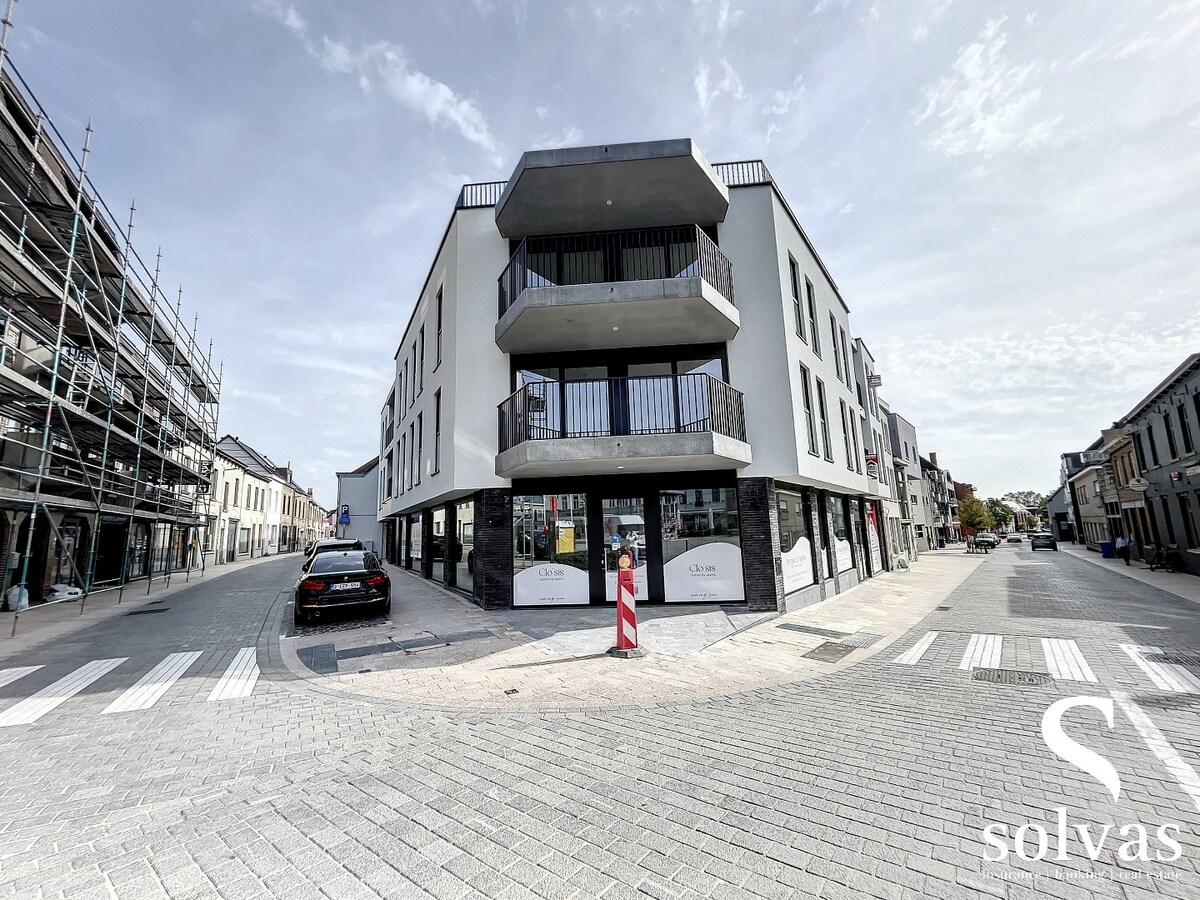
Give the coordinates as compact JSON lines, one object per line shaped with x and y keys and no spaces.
{"x":1005,"y":194}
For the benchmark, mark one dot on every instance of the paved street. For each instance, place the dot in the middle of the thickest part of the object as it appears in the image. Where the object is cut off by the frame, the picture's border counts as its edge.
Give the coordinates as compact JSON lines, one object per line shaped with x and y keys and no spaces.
{"x":174,"y":751}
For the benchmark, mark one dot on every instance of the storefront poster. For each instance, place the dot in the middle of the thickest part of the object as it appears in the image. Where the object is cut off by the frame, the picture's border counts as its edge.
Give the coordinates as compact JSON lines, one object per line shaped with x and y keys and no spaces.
{"x":873,"y":543}
{"x":550,"y":584}
{"x":842,"y":552}
{"x":710,"y":572}
{"x":798,"y":566}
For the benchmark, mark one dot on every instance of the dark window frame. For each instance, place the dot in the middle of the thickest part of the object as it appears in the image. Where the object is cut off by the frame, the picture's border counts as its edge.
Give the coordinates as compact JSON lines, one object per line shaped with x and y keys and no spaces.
{"x":797,"y":310}
{"x":438,"y":343}
{"x":823,"y":411}
{"x":811,"y":298}
{"x":809,"y":412}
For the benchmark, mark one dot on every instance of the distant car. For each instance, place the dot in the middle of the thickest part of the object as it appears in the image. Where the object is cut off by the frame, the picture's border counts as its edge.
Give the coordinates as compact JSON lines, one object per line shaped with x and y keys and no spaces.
{"x":1043,"y":540}
{"x":340,"y":580}
{"x":330,"y":545}
{"x":1014,"y":538}
{"x":986,"y":537}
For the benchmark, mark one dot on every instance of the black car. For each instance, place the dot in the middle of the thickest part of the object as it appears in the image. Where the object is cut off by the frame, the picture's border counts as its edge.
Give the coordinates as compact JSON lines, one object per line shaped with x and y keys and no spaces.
{"x":1043,"y":540}
{"x":342,"y":580}
{"x":331,"y":545}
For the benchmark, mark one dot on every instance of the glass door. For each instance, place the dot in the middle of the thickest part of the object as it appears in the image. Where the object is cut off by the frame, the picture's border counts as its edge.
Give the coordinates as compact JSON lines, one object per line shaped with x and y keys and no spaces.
{"x":624,"y":522}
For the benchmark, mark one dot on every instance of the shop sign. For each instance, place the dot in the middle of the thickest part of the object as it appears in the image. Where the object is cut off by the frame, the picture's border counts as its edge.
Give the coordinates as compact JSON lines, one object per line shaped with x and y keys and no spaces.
{"x":845,"y":561}
{"x":873,"y":465}
{"x":550,"y":584}
{"x":706,"y":573}
{"x":798,"y":566}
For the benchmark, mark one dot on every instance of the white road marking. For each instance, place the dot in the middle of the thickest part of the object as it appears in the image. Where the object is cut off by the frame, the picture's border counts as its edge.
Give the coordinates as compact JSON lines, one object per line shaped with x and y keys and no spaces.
{"x":8,"y":676}
{"x":154,"y":683}
{"x":48,"y":698}
{"x":1166,"y":676}
{"x":1065,"y":661}
{"x":239,"y":679}
{"x":913,"y":654}
{"x":983,"y":652}
{"x":1160,"y":746}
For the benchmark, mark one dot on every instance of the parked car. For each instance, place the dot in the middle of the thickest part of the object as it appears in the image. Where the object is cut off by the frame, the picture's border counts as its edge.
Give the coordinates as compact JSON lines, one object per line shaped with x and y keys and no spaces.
{"x":1043,"y":540}
{"x":341,"y":580}
{"x":986,"y":537}
{"x":1014,"y":538}
{"x":330,"y":545}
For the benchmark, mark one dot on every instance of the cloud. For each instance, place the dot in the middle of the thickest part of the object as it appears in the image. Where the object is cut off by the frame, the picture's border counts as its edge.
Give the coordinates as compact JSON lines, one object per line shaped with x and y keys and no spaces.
{"x":722,"y":22}
{"x":848,"y":208}
{"x":781,"y":101}
{"x":569,"y":136}
{"x":707,"y":92}
{"x":388,"y":64}
{"x":985,"y":105}
{"x":929,"y":18}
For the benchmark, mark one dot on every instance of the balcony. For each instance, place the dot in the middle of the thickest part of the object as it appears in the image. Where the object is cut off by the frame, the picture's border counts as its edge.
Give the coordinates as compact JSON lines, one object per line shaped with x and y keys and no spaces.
{"x":651,"y":286}
{"x":651,"y":424}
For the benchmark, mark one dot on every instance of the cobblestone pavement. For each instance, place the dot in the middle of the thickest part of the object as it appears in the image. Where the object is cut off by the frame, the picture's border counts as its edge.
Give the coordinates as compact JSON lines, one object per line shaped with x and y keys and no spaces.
{"x":876,"y":780}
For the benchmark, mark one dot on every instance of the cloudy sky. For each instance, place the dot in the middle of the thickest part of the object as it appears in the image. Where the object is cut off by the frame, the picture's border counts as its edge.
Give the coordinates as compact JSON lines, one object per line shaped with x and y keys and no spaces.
{"x":1006,"y":194}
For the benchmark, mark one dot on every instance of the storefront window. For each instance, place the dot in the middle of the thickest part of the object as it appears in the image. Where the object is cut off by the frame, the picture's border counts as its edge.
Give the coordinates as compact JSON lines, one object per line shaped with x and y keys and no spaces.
{"x":465,"y":524}
{"x":438,"y":551}
{"x":414,"y":541}
{"x":795,"y":543}
{"x":702,"y":547}
{"x":843,"y":558}
{"x":550,"y":556}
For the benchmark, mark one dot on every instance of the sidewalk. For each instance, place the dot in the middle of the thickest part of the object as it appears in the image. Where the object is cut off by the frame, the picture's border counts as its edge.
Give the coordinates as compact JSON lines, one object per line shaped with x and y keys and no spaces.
{"x":1181,"y":585}
{"x":467,"y":658}
{"x":39,"y":624}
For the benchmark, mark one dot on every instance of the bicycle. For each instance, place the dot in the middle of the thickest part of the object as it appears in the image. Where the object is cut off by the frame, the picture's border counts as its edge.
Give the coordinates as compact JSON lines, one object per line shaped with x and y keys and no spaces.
{"x":1165,"y":558}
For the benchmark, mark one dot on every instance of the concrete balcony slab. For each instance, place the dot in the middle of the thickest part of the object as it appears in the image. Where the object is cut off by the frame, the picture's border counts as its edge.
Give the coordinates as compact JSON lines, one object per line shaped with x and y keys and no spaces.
{"x":625,"y":453}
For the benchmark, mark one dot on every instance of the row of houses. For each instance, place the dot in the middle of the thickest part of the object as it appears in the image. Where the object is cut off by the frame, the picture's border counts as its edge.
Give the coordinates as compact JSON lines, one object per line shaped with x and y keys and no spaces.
{"x":258,"y":508}
{"x":626,"y":350}
{"x":1140,"y":479}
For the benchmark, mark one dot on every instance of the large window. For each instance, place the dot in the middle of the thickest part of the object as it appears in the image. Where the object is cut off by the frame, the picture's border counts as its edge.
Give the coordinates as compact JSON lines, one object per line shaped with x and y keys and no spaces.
{"x":421,"y":360}
{"x":854,"y":439}
{"x":1168,"y":529}
{"x":846,"y":436}
{"x":1153,"y":445}
{"x":437,"y":432}
{"x":464,"y":516}
{"x":823,"y":412}
{"x":843,"y":558}
{"x":439,"y":549}
{"x":420,"y":447}
{"x":1189,"y":525}
{"x":810,"y":421}
{"x":243,"y":540}
{"x":795,"y":542}
{"x":833,"y":331}
{"x":412,"y":449}
{"x":846,"y":359}
{"x":438,"y":340}
{"x":1169,"y":427}
{"x":550,"y":554}
{"x":811,"y":296}
{"x":798,"y":312}
{"x":1185,"y":428}
{"x":701,"y":540}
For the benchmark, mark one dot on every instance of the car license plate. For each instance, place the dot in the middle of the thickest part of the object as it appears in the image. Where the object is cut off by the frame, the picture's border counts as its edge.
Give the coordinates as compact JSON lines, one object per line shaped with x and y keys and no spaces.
{"x":346,"y":586}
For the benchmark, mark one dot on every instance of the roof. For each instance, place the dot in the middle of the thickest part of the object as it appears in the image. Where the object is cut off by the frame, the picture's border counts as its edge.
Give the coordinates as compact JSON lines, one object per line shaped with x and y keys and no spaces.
{"x":363,"y":469}
{"x":1085,"y":471}
{"x":236,"y":450}
{"x":1182,"y":371}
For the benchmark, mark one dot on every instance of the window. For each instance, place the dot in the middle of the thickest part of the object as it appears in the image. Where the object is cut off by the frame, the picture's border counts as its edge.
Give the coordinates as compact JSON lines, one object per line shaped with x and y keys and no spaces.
{"x":237,"y":493}
{"x":403,"y":390}
{"x":810,"y":421}
{"x":438,"y":339}
{"x":906,"y":450}
{"x":837,"y":360}
{"x":225,"y":501}
{"x":1168,"y":525}
{"x":812,"y":316}
{"x":413,"y":384}
{"x":1189,"y":526}
{"x":854,"y":431}
{"x":794,"y":272}
{"x":1185,"y":429}
{"x":823,"y":412}
{"x":421,"y":362}
{"x":437,"y":432}
{"x":1169,"y":427}
{"x":846,"y":359}
{"x":1153,"y":446}
{"x":402,"y":463}
{"x":412,"y":448}
{"x":388,"y":484}
{"x":846,"y":436}
{"x":420,"y":444}
{"x":1139,"y":452}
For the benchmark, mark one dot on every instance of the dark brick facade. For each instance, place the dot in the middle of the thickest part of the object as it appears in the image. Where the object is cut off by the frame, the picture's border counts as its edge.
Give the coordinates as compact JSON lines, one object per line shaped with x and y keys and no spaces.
{"x":493,"y":582}
{"x":762,"y":568}
{"x":427,"y":543}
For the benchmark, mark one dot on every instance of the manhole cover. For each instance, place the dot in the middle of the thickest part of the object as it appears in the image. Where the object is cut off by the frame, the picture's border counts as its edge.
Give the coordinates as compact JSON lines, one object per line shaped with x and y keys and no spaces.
{"x":810,"y":629}
{"x":146,"y":612}
{"x":1179,"y":659}
{"x":862,"y":639}
{"x":1012,"y":676}
{"x":829,"y":652}
{"x":943,"y":609}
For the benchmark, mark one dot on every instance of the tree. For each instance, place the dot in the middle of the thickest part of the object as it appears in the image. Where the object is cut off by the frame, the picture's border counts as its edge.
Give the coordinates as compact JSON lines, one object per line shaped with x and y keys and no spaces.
{"x":1031,"y":500}
{"x":1000,"y":512}
{"x":973,"y":515}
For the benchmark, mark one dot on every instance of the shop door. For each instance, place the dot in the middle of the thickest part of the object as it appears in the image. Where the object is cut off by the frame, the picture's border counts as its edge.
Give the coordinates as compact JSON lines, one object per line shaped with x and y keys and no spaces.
{"x":624,"y":531}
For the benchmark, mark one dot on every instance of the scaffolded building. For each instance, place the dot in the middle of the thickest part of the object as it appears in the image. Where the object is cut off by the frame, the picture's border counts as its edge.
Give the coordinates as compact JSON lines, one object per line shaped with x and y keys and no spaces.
{"x":108,"y":408}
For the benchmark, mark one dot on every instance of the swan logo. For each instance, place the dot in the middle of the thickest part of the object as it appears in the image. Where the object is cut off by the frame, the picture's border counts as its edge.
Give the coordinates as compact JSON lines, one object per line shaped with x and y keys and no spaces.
{"x":1031,"y":841}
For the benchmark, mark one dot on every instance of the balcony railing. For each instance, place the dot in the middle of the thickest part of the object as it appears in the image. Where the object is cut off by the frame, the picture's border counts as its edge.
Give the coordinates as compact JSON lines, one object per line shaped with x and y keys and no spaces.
{"x":680,"y":251}
{"x":659,"y":404}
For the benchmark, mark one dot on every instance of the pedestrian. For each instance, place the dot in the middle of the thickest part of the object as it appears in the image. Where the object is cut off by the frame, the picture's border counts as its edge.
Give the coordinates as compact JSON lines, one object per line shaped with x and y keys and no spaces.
{"x":1123,"y":548}
{"x":970,"y":543}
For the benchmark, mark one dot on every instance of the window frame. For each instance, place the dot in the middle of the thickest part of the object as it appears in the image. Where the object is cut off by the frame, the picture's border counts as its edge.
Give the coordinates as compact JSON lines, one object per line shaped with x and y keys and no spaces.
{"x":823,"y":411}
{"x":809,"y":412}
{"x":811,"y":297}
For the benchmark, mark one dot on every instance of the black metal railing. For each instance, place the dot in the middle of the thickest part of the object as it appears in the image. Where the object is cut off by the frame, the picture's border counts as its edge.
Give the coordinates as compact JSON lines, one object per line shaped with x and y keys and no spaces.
{"x":657,"y":404}
{"x":679,"y":251}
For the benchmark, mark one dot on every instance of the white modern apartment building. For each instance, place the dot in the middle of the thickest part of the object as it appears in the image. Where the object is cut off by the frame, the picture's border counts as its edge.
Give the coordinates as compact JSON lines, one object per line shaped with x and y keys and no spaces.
{"x":625,"y":348}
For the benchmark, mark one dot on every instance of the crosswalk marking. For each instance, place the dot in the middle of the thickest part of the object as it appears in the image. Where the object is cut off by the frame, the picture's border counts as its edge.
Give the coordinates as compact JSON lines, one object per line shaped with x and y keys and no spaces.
{"x":33,"y":708}
{"x":8,"y":676}
{"x":1065,"y":661}
{"x":1166,"y":676}
{"x":983,"y":652}
{"x":154,"y":683}
{"x":239,"y":679}
{"x":913,"y":654}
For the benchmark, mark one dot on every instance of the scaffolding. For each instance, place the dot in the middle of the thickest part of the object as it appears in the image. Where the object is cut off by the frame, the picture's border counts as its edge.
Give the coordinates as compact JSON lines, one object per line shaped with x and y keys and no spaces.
{"x":108,"y":406}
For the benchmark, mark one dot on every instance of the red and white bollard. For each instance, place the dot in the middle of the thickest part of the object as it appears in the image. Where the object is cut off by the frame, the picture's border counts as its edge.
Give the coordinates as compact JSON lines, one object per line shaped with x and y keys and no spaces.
{"x":627,"y":642}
